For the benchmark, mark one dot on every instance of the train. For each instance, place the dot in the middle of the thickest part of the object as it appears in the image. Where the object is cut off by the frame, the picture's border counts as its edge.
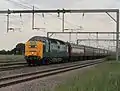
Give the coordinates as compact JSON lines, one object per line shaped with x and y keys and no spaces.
{"x":43,"y":50}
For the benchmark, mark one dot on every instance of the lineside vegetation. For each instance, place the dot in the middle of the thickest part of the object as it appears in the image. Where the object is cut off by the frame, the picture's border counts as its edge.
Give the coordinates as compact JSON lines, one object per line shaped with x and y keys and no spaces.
{"x":103,"y":77}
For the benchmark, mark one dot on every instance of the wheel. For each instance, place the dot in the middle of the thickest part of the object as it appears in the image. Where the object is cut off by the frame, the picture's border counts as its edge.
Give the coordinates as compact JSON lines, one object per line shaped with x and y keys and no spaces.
{"x":29,"y":63}
{"x":45,"y":61}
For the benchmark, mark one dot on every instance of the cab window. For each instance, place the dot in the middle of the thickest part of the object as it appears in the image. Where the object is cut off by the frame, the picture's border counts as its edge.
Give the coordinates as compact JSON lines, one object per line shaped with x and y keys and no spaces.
{"x":43,"y":48}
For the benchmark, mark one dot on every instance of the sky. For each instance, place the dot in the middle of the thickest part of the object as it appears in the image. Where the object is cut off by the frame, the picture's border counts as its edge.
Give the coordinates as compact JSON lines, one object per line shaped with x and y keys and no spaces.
{"x":90,"y":22}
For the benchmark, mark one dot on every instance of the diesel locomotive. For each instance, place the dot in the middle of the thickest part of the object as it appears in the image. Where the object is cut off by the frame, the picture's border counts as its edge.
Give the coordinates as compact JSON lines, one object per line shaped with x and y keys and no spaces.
{"x":44,"y":50}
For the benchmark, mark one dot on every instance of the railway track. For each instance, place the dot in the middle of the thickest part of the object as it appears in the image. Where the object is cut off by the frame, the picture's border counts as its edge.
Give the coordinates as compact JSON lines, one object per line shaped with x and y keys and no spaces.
{"x":20,"y":78}
{"x":9,"y":61}
{"x":11,"y":66}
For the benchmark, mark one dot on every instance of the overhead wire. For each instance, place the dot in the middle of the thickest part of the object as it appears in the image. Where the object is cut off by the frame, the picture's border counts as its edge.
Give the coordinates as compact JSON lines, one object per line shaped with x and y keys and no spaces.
{"x":16,"y":3}
{"x":58,"y":17}
{"x":49,"y":14}
{"x":30,"y":6}
{"x":21,"y":5}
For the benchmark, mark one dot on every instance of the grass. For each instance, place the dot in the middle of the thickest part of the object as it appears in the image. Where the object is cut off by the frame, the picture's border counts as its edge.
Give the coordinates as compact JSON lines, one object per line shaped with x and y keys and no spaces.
{"x":109,"y":58}
{"x":104,"y":77}
{"x":9,"y":58}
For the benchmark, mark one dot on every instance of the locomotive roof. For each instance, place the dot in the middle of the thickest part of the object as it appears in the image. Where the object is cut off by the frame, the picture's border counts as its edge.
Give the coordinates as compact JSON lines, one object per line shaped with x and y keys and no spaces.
{"x":41,"y":38}
{"x":38,"y":38}
{"x":88,"y":46}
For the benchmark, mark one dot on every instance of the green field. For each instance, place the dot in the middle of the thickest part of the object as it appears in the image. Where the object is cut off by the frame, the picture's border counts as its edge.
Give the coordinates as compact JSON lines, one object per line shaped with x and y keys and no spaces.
{"x":104,"y":77}
{"x":11,"y":58}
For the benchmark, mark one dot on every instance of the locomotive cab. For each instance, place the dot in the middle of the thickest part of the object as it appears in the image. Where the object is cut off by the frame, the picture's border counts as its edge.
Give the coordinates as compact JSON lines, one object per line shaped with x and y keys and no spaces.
{"x":33,"y":51}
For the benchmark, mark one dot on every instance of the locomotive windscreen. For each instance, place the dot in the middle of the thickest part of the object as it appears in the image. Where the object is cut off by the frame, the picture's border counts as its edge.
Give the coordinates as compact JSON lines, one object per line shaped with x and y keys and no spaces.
{"x":38,"y":38}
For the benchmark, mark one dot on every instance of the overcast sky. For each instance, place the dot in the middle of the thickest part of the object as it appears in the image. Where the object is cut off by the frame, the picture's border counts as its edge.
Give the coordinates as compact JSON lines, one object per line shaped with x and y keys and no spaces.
{"x":90,"y":22}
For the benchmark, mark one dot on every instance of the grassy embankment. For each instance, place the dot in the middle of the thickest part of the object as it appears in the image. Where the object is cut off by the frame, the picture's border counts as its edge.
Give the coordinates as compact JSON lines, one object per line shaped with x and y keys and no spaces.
{"x":11,"y":58}
{"x":104,"y":77}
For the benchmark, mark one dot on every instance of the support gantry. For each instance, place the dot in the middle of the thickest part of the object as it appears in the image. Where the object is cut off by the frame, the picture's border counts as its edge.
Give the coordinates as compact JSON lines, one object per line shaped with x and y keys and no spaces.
{"x":73,"y":11}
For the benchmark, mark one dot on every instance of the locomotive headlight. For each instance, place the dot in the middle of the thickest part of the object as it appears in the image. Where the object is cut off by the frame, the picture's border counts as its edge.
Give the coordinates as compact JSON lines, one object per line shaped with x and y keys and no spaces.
{"x":32,"y":52}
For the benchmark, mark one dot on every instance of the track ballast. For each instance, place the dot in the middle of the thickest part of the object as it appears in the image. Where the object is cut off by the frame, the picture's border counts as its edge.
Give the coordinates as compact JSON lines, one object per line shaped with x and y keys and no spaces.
{"x":20,"y":78}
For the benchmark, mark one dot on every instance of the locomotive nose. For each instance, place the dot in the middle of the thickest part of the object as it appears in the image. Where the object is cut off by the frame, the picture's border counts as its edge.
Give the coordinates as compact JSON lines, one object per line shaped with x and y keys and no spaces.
{"x":34,"y":53}
{"x":34,"y":49}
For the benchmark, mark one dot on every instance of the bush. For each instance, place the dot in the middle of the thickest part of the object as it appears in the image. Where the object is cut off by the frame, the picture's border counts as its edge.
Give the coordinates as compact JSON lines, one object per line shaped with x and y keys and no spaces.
{"x":109,"y":58}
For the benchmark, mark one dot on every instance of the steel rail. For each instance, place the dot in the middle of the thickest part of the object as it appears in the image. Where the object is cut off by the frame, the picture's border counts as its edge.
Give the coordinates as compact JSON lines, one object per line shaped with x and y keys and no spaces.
{"x":20,"y":78}
{"x":9,"y":64}
{"x":7,"y":68}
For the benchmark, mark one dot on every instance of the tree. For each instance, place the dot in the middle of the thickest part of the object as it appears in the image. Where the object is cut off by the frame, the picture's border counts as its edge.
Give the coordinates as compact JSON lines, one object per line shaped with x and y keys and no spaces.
{"x":20,"y":48}
{"x":3,"y":52}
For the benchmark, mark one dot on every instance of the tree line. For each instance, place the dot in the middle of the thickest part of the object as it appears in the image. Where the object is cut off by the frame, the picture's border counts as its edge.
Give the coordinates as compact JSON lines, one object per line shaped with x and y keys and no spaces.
{"x":18,"y":50}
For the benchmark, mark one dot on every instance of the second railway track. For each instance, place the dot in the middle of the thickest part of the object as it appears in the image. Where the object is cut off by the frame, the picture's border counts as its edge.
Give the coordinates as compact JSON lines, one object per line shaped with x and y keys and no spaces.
{"x":20,"y":78}
{"x":12,"y":66}
{"x":9,"y":64}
